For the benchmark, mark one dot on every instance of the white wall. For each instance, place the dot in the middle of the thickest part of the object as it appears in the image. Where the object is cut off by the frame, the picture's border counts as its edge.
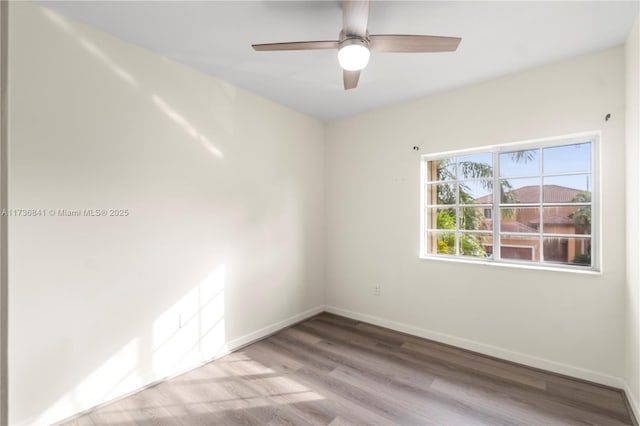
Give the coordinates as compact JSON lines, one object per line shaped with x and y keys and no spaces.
{"x":568,"y":322}
{"x":225,"y":232}
{"x":632,"y":297}
{"x":225,"y":193}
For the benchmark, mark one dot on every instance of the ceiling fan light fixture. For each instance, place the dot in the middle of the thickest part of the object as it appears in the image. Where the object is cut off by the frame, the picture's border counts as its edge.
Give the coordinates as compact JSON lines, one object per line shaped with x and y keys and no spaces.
{"x":354,"y":42}
{"x":353,"y":54}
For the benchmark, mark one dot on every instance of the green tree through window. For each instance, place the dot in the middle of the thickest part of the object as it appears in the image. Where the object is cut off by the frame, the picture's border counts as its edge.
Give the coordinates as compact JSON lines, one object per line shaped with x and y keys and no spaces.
{"x":470,"y":218}
{"x":528,"y":204}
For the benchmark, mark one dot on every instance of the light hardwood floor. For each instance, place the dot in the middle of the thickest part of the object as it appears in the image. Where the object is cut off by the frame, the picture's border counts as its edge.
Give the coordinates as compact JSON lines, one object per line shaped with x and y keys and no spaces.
{"x":333,"y":370}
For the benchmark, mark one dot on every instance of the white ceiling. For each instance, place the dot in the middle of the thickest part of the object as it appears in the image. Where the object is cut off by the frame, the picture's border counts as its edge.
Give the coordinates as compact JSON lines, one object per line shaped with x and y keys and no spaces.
{"x":497,"y":38}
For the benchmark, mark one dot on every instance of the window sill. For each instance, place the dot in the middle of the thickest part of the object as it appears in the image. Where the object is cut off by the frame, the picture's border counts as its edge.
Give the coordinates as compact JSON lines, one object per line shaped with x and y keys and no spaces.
{"x":514,"y":265}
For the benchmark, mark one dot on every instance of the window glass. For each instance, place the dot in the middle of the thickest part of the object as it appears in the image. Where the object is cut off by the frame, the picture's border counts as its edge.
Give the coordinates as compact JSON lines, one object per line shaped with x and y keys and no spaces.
{"x":520,"y":163}
{"x":441,"y":193}
{"x":566,"y":189}
{"x":519,"y":247}
{"x":441,"y":242}
{"x":518,"y":191}
{"x":475,"y":166}
{"x":445,"y":218}
{"x":473,"y":219}
{"x":476,"y":191}
{"x":520,"y":219}
{"x":545,"y":214}
{"x":567,"y":158}
{"x":475,"y":245}
{"x":569,"y":251}
{"x":444,"y":169}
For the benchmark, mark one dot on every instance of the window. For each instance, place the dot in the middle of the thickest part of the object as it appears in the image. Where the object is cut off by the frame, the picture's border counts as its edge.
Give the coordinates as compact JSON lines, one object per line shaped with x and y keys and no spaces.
{"x":531,"y":204}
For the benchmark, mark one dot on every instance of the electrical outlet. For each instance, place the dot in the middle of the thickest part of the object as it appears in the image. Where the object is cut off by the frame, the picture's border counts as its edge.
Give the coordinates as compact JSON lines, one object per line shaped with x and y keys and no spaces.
{"x":376,"y":290}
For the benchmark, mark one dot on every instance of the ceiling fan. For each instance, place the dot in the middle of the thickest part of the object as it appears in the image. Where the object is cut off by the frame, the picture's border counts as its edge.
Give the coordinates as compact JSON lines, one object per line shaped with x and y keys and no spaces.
{"x":355,"y":43}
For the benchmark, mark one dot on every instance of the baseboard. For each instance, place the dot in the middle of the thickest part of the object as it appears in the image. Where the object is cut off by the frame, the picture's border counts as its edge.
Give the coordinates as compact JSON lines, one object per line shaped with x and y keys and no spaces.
{"x":483,"y":348}
{"x":632,"y":401}
{"x":231,"y":346}
{"x":247,"y":339}
{"x":471,"y":345}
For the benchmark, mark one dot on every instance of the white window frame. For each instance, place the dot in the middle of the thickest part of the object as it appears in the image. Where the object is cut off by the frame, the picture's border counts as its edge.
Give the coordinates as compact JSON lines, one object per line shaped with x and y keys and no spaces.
{"x":496,"y":150}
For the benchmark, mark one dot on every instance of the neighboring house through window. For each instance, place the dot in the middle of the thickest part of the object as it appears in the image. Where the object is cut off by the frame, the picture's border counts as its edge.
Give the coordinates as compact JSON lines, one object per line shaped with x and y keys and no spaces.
{"x":542,"y":212}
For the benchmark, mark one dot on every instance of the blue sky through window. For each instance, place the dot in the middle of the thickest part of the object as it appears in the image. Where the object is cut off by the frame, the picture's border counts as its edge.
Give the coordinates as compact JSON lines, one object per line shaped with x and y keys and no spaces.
{"x":525,"y":165}
{"x":557,"y":159}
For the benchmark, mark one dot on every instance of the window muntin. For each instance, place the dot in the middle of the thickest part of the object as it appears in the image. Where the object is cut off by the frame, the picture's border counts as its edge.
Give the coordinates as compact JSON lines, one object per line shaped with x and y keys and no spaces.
{"x":542,"y":214}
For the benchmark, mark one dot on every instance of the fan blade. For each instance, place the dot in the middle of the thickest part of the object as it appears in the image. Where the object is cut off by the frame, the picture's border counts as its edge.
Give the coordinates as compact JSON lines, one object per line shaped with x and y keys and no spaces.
{"x":297,"y":45}
{"x":350,"y":79}
{"x":412,"y":43}
{"x":355,"y":15}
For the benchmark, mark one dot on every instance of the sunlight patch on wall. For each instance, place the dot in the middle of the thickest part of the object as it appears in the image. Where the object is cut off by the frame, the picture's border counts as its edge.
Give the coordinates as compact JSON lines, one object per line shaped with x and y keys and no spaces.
{"x":94,"y":50}
{"x":186,"y":126}
{"x":193,"y":329}
{"x":106,"y":60}
{"x":122,"y":74}
{"x":58,"y":20}
{"x":109,"y":374}
{"x":104,"y":383}
{"x":190,"y":332}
